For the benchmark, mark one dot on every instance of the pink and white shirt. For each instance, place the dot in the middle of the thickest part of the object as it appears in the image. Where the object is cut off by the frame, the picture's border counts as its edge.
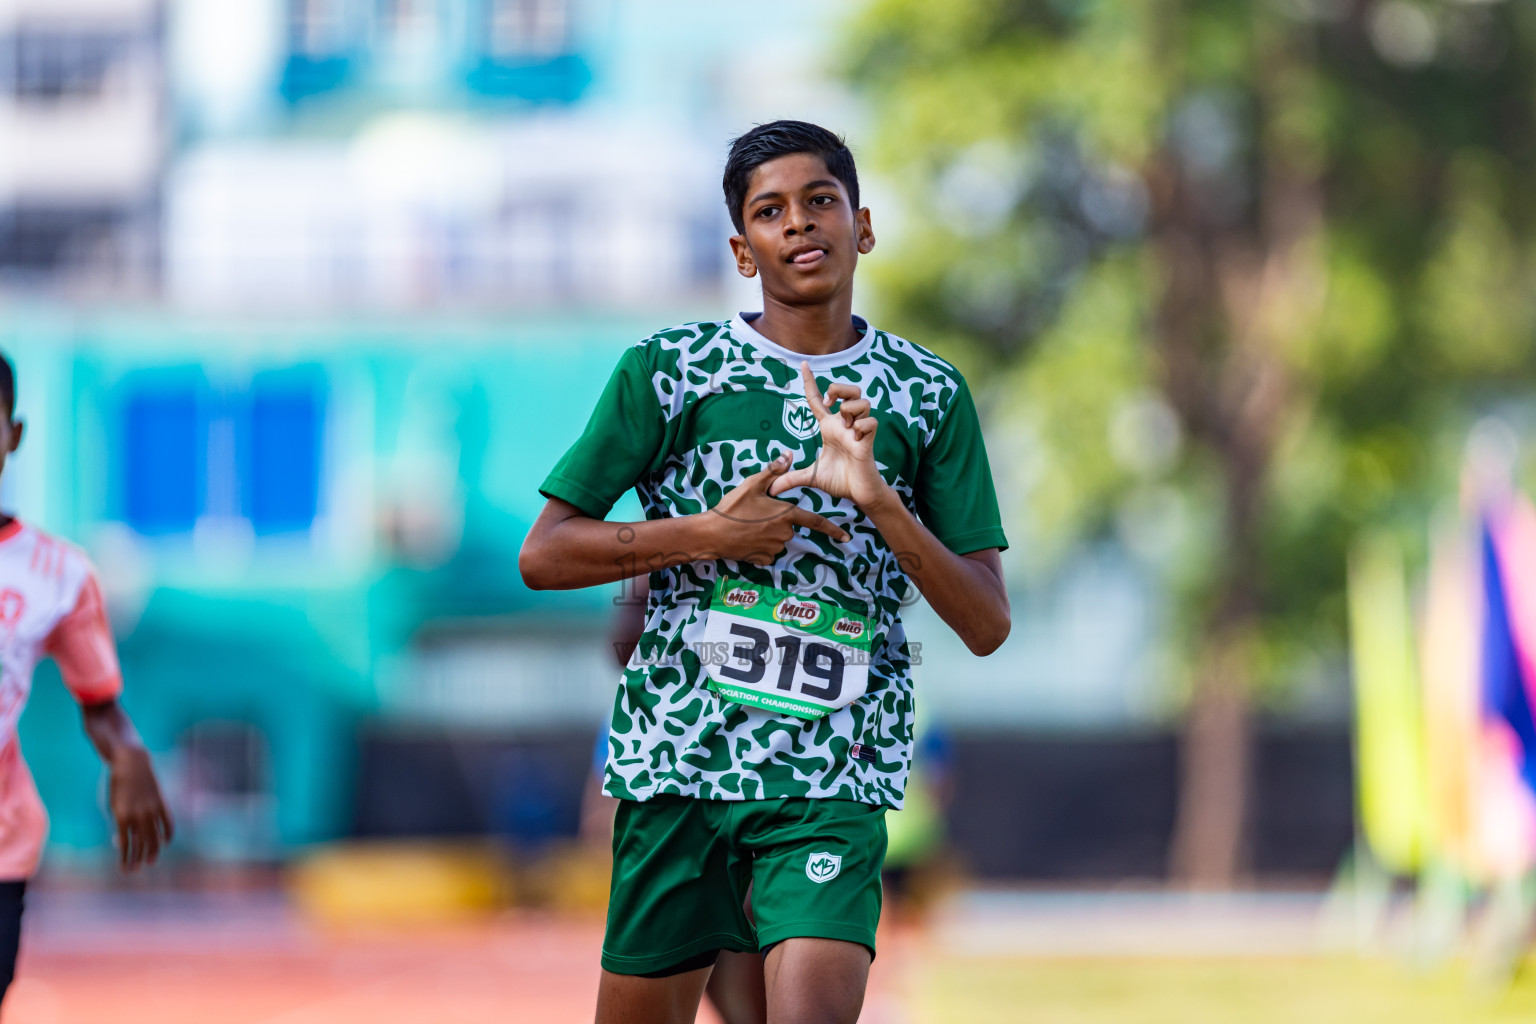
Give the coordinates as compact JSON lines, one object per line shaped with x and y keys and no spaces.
{"x":50,"y":606}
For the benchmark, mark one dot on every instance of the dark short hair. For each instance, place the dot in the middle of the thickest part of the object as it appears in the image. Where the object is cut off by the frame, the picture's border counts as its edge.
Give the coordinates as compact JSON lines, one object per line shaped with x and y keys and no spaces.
{"x":766,"y":142}
{"x":7,"y":386}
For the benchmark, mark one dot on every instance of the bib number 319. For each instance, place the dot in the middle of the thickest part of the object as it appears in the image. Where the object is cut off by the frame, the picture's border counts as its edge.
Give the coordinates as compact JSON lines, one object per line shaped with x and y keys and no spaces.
{"x":779,"y":652}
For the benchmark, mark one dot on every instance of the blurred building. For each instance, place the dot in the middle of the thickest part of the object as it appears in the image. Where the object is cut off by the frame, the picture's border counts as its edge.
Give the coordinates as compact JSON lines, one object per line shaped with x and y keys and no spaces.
{"x":503,"y":154}
{"x":404,"y":154}
{"x":83,"y":129}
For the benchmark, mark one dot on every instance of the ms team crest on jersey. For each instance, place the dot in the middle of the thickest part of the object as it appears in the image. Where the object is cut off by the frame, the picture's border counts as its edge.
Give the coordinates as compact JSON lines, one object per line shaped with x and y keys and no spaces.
{"x":798,"y":418}
{"x":823,"y":867}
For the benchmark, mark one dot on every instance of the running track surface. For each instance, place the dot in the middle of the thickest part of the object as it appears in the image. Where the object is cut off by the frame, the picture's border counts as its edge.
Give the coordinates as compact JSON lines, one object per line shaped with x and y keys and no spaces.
{"x":85,"y":960}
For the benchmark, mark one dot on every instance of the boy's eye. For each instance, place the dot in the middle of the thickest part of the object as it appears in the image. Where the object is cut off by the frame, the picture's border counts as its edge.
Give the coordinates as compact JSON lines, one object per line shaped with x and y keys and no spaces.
{"x":767,"y":211}
{"x":822,"y":200}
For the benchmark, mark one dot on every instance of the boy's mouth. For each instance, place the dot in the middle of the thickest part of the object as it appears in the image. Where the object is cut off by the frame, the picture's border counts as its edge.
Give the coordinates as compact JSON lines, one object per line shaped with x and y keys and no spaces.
{"x":806,"y":255}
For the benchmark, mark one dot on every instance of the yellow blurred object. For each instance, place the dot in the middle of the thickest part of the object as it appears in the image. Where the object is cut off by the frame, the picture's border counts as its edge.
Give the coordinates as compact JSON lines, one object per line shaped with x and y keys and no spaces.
{"x":1389,"y":733}
{"x":567,"y":877}
{"x":401,"y":883}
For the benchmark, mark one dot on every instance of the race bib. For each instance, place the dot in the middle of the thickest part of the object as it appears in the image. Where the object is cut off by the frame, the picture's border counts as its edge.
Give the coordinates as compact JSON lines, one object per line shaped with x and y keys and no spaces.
{"x":778,"y":651}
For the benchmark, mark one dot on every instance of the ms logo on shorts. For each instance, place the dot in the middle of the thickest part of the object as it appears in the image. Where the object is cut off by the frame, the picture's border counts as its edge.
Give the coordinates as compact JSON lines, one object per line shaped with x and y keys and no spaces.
{"x":798,"y":418}
{"x":823,"y":867}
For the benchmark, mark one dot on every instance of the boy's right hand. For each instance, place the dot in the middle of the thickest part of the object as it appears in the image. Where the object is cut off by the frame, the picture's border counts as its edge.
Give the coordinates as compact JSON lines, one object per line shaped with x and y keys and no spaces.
{"x":143,"y":822}
{"x":749,"y":526}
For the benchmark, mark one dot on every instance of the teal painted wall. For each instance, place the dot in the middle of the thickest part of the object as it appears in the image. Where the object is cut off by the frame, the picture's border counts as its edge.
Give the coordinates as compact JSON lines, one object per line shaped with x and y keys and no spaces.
{"x":292,"y":638}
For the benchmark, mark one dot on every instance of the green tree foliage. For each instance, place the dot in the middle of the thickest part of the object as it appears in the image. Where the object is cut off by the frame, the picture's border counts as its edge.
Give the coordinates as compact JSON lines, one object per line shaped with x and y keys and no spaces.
{"x":1240,"y":273}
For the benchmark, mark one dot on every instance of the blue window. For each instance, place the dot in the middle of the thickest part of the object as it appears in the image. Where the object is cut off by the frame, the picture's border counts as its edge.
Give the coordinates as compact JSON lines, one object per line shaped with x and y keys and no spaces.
{"x":557,"y":80}
{"x":163,"y":450}
{"x":321,"y":44}
{"x":190,"y":451}
{"x":283,"y":491}
{"x":524,"y":50}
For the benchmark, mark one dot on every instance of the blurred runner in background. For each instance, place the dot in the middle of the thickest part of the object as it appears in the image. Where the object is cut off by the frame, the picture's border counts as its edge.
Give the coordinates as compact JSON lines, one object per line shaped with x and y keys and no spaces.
{"x":50,"y":605}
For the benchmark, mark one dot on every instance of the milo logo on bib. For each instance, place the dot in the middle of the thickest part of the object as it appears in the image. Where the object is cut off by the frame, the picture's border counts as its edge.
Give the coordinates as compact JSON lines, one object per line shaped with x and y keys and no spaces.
{"x":853,"y":629}
{"x":739,"y":597}
{"x":797,"y":613}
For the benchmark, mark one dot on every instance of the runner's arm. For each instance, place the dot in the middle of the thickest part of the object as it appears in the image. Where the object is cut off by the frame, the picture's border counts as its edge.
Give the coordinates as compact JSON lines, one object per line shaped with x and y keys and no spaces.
{"x":966,"y":590}
{"x":143,"y":821}
{"x":81,"y":645}
{"x":566,"y":548}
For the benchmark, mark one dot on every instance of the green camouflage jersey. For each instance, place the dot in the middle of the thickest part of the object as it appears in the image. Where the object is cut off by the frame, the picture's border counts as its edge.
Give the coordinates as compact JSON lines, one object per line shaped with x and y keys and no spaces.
{"x":688,"y":415}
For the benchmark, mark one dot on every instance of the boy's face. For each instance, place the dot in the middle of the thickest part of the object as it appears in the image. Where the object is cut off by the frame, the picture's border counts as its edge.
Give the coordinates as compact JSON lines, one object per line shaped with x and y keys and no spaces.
{"x":10,"y":437}
{"x":802,"y":233}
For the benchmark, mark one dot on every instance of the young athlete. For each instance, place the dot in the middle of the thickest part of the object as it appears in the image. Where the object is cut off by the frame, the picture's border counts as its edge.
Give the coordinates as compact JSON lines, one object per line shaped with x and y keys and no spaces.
{"x":799,"y":470}
{"x":50,"y":605}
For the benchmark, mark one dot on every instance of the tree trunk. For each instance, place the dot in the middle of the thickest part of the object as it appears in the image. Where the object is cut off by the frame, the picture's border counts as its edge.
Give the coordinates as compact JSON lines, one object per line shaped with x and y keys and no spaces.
{"x":1209,"y":840}
{"x":1213,"y":399}
{"x":1237,"y":292}
{"x":1215,"y":759}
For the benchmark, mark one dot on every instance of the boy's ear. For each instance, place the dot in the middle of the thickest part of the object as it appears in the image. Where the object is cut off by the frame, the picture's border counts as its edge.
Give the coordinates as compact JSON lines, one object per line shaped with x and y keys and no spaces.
{"x":865,"y":232}
{"x":746,"y":263}
{"x":17,"y":428}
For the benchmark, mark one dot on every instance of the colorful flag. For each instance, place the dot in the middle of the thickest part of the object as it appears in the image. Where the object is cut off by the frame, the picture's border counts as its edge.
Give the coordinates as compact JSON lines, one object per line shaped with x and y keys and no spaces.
{"x":1389,"y":742}
{"x":1506,"y":766}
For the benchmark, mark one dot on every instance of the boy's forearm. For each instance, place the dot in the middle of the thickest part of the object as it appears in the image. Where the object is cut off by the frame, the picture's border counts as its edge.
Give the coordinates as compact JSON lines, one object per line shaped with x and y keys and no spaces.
{"x":143,"y":823}
{"x":579,"y":551}
{"x":967,"y":592}
{"x":111,"y":732}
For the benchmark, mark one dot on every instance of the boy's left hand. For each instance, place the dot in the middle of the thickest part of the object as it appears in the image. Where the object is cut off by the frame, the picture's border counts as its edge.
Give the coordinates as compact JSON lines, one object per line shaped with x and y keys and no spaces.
{"x":143,"y":822}
{"x":845,"y":467}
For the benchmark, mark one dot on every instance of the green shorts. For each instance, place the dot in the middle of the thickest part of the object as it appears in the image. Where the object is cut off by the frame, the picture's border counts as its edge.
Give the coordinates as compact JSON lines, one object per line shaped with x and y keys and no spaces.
{"x":682,"y":868}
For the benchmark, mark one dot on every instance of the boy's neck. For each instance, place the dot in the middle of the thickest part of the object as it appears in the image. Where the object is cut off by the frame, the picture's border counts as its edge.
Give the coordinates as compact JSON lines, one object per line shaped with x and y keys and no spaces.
{"x":816,"y":330}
